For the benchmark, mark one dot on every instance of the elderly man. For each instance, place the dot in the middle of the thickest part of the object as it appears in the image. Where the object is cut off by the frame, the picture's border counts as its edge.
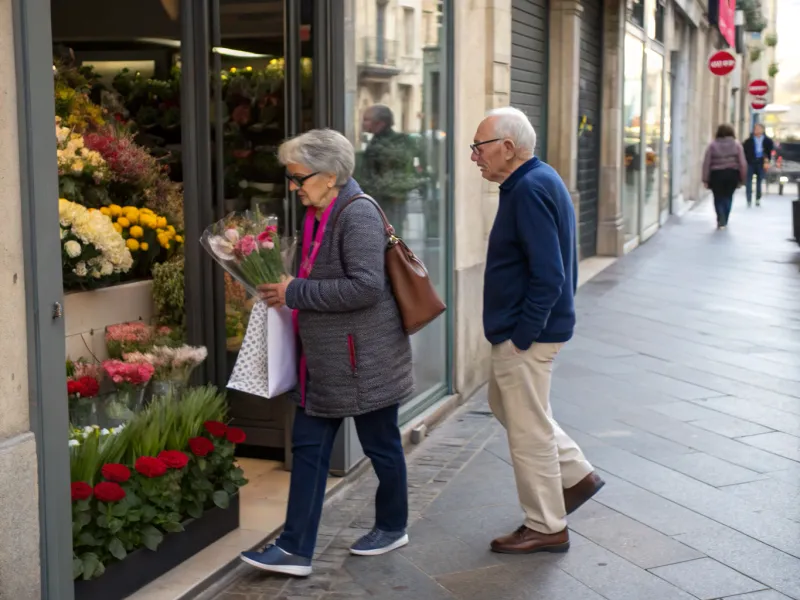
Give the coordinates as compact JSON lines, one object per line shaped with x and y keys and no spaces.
{"x":528,"y":315}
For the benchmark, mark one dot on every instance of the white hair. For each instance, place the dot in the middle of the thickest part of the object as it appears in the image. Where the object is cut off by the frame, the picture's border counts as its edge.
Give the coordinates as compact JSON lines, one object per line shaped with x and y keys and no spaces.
{"x":513,"y":124}
{"x":322,"y":151}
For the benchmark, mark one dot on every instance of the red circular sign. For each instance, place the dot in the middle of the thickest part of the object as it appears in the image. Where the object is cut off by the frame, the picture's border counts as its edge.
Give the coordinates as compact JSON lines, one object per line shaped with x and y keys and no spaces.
{"x":721,"y":62}
{"x":758,"y":103}
{"x":759,"y":87}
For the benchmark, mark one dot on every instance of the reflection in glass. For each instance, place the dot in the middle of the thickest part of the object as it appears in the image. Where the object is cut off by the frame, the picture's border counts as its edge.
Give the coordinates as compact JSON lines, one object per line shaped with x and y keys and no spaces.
{"x":632,"y":135}
{"x":400,"y":137}
{"x":636,"y":12}
{"x":652,"y":138}
{"x":666,"y":166}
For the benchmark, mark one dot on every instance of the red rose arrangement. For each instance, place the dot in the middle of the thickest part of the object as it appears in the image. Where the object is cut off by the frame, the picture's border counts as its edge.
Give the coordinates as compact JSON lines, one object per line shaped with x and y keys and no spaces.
{"x":80,"y":491}
{"x":215,"y":428}
{"x":201,"y":446}
{"x":108,"y":491}
{"x":150,"y":466}
{"x":84,"y":387}
{"x":235,"y":435}
{"x":116,"y":472}
{"x":174,"y":459}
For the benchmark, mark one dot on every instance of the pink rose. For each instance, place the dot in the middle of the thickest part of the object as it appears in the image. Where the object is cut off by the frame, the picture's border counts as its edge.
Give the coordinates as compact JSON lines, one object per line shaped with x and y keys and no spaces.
{"x":265,"y":240}
{"x":247,"y":245}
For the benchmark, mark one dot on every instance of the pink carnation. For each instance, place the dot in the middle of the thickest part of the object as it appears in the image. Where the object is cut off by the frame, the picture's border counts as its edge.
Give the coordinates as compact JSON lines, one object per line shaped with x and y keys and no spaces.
{"x":137,"y":331}
{"x":246,"y":246}
{"x":131,"y":373}
{"x":265,"y":240}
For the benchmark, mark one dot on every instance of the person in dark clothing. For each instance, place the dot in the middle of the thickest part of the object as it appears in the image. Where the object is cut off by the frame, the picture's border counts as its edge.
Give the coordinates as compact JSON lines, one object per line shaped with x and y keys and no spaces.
{"x":724,"y":170}
{"x":387,"y":171}
{"x":757,"y":151}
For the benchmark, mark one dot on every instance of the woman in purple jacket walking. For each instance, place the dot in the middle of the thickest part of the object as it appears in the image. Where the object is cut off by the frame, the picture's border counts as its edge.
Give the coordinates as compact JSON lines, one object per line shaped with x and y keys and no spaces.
{"x":724,"y":170}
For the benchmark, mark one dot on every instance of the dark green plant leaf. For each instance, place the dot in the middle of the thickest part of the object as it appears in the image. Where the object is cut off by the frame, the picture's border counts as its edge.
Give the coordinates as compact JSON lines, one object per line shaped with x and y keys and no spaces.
{"x":221,"y":498}
{"x":77,"y":567}
{"x":117,"y":549}
{"x":172,"y":527}
{"x":195,"y":510}
{"x":151,"y":537}
{"x":91,"y":564}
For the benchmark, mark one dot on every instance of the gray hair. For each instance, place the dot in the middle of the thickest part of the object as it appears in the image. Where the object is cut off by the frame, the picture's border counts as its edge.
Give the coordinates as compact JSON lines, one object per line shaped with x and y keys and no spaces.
{"x":322,"y":151}
{"x":382,"y":114}
{"x":513,"y":124}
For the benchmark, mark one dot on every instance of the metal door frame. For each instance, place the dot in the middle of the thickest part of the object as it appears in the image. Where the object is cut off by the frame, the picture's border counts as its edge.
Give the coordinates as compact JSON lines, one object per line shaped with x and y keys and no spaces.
{"x":44,"y":292}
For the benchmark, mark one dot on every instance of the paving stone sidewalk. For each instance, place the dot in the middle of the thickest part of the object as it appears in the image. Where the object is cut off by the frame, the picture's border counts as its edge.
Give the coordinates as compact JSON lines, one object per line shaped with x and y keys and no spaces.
{"x":682,"y":385}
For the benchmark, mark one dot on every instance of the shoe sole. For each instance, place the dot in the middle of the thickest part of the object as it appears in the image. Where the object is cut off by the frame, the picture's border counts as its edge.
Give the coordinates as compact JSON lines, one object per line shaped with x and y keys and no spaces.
{"x":403,"y":541}
{"x":294,"y":571}
{"x":557,"y":549}
{"x":585,"y":500}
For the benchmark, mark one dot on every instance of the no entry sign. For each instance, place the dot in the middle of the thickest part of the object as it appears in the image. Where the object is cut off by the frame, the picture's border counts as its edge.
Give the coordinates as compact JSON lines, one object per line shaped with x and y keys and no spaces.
{"x":759,"y":87}
{"x":758,"y":103}
{"x":721,"y":63}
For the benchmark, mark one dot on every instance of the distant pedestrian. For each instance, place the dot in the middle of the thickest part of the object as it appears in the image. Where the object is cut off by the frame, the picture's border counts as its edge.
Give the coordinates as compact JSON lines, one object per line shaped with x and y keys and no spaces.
{"x":528,"y":315}
{"x":355,"y":355}
{"x":724,"y":170}
{"x":758,"y":151}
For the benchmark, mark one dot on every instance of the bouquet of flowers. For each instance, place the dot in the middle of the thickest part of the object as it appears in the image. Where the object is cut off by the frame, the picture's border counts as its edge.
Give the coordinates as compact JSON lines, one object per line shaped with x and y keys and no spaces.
{"x":130,"y":379}
{"x":137,"y":336}
{"x":171,"y":364}
{"x":247,"y":246}
{"x":92,"y":250}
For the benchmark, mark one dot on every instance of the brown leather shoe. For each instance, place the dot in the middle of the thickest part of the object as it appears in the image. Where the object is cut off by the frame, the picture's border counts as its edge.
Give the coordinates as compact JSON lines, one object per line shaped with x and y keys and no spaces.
{"x":528,"y":541}
{"x":580,"y":493}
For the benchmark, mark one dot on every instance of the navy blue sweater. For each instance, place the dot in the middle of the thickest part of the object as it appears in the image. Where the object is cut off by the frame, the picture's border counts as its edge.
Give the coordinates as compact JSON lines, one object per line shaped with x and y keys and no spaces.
{"x":531,"y":267}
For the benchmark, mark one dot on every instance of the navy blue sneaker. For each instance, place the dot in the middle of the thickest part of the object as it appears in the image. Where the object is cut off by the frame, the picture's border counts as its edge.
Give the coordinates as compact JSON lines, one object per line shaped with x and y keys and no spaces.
{"x":378,"y":542}
{"x":277,"y":560}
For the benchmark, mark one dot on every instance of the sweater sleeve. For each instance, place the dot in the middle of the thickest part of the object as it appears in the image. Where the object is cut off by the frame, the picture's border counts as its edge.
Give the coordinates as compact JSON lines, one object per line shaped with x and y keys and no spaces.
{"x":707,"y":166}
{"x":537,"y":229}
{"x":742,"y":164}
{"x":362,"y":250}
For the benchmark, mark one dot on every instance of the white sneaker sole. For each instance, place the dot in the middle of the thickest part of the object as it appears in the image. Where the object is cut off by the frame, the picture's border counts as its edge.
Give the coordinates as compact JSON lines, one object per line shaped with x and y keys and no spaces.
{"x":403,"y":541}
{"x":295,"y":571}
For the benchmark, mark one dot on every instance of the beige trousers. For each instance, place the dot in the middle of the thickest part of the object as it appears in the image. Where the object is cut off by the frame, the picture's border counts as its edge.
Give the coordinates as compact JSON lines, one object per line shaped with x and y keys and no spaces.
{"x":545,"y":459}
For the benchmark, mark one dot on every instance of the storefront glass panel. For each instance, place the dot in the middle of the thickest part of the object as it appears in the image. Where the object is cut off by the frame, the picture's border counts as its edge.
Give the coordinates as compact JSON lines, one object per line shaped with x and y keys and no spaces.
{"x":652,"y":139}
{"x":632,"y":135}
{"x":397,"y":85}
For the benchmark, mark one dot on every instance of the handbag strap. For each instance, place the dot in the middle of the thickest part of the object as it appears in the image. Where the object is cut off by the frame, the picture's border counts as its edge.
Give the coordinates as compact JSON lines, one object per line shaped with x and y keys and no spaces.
{"x":387,"y":226}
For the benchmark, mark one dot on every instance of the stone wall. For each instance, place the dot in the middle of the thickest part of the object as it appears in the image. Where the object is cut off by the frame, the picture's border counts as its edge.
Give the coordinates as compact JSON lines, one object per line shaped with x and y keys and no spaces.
{"x":19,"y":506}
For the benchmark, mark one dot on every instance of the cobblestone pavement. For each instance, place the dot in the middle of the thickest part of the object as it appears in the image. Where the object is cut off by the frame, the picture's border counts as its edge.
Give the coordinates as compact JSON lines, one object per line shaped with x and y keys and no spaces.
{"x":683,"y":387}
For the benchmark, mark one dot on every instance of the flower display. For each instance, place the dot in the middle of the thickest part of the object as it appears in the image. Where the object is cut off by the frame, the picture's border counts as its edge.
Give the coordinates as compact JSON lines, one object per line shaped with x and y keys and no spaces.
{"x":75,"y":159}
{"x":235,"y":435}
{"x":201,"y":446}
{"x":215,"y":428}
{"x":174,"y":459}
{"x":93,"y":251}
{"x":150,"y":466}
{"x":248,"y":246}
{"x":80,"y":490}
{"x":84,"y":387}
{"x":108,"y":492}
{"x":116,"y":472}
{"x":127,"y":373}
{"x":171,"y":364}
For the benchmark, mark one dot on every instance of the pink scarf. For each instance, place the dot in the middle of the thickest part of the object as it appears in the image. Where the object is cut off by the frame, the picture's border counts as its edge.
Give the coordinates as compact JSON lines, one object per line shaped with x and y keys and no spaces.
{"x":308,"y":257}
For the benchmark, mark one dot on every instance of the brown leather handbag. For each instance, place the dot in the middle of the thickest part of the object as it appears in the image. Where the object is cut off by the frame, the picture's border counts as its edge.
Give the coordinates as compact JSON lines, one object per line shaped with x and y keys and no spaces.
{"x":416,"y":297}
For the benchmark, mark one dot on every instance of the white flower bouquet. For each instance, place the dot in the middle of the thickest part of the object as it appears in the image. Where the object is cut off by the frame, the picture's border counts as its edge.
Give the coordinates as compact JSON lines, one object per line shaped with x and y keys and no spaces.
{"x":93,"y":252}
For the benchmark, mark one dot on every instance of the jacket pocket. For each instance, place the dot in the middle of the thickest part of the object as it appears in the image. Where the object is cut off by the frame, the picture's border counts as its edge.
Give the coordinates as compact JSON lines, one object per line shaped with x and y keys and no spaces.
{"x":351,"y":350}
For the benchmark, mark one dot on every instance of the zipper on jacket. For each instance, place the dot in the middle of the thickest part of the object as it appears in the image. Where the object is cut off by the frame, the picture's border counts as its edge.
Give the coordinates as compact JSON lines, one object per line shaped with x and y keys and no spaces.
{"x":351,"y":348}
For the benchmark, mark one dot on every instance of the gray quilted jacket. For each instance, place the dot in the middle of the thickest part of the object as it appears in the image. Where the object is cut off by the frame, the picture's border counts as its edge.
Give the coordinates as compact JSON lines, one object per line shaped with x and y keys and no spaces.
{"x":359,"y":357}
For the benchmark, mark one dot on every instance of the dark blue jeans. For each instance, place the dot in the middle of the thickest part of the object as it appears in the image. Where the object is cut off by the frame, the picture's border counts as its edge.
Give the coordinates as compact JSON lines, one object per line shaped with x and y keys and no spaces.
{"x":723,"y":207}
{"x":312,"y":442}
{"x":757,"y":170}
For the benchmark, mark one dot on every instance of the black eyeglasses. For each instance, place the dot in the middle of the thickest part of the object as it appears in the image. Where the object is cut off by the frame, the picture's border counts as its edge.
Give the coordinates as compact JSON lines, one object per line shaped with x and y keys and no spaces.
{"x":474,"y":147}
{"x":299,"y":180}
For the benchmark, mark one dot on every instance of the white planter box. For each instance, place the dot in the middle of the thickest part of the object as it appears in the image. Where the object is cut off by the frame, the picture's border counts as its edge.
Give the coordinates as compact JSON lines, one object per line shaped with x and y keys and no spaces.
{"x":87,"y":314}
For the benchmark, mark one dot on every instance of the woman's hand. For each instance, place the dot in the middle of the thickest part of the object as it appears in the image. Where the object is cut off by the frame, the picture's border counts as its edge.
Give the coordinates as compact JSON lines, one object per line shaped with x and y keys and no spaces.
{"x":274,"y":294}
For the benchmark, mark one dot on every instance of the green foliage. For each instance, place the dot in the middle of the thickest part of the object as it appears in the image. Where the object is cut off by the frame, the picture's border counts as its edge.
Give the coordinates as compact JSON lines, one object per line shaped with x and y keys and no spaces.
{"x":771,"y":39}
{"x":773,"y":70}
{"x":168,"y":293}
{"x":753,"y":15}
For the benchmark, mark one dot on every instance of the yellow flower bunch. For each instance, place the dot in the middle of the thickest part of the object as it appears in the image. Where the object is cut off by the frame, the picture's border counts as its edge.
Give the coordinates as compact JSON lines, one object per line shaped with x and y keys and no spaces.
{"x":91,"y":227}
{"x":141,"y":227}
{"x":75,"y":159}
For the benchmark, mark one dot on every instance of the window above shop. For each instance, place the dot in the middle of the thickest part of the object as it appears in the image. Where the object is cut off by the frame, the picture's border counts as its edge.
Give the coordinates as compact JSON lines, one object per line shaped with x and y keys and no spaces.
{"x":636,"y":12}
{"x":659,"y":11}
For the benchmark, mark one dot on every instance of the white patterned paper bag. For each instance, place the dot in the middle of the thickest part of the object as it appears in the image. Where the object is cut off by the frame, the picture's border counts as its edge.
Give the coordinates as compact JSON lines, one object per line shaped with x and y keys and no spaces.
{"x":267,"y":361}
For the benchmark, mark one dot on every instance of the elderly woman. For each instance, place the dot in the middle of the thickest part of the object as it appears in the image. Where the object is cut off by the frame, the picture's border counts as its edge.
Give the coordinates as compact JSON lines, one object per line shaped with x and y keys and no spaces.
{"x":355,"y":357}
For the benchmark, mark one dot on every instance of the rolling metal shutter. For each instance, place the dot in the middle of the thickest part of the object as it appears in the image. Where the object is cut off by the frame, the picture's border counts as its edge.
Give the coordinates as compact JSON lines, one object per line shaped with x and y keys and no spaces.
{"x":529,"y":64}
{"x":589,"y":102}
